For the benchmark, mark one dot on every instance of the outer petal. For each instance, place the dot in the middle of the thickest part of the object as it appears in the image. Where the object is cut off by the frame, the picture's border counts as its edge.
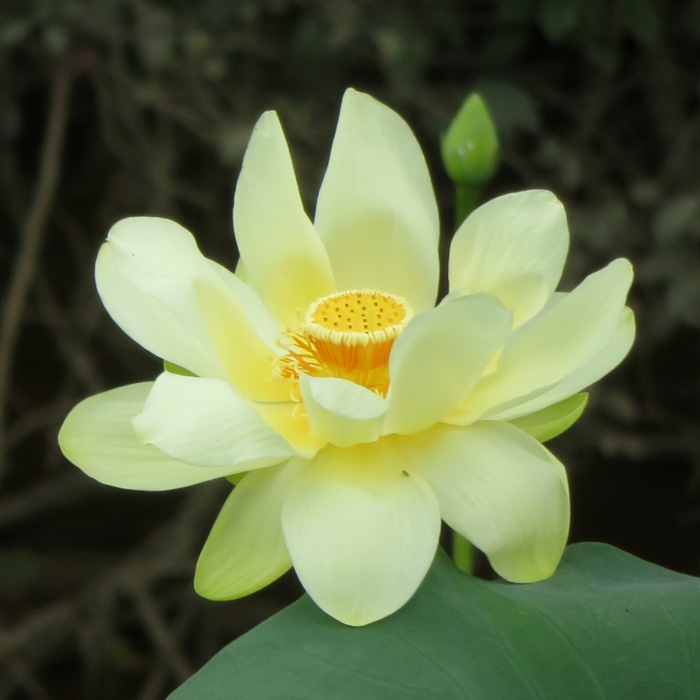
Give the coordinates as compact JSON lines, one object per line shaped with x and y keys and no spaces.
{"x":361,"y":530}
{"x":598,"y":366}
{"x":245,"y":550}
{"x":159,"y":288}
{"x":554,"y":420}
{"x":99,"y":438}
{"x":282,"y":253}
{"x":554,"y":345}
{"x":342,"y":412}
{"x":439,"y":358}
{"x":204,"y":422}
{"x":376,"y":210}
{"x":502,"y":490}
{"x":513,"y":247}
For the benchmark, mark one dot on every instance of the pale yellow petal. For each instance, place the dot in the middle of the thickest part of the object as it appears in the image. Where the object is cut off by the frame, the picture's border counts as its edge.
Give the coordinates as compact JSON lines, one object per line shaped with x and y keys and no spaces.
{"x":501,"y":490}
{"x":549,"y":422}
{"x":282,"y":253}
{"x":245,"y":550}
{"x":438,"y":359}
{"x":513,"y":247}
{"x":290,"y":420}
{"x":342,"y":412}
{"x":556,"y":344}
{"x":362,"y":531}
{"x":144,"y":274}
{"x":376,"y":210}
{"x":597,"y":366}
{"x":98,"y":437}
{"x":186,"y":309}
{"x":247,"y":361}
{"x":204,"y":422}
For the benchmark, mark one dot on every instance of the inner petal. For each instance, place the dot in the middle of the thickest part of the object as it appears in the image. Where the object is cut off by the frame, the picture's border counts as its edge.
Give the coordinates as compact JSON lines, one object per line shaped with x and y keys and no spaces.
{"x":347,"y":335}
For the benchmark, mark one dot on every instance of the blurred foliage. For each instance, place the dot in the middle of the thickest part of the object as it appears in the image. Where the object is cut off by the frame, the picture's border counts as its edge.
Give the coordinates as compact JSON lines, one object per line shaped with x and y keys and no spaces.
{"x":596,"y":100}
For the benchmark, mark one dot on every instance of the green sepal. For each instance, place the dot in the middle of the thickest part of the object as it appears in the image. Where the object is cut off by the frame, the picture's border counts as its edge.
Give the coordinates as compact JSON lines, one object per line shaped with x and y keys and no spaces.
{"x":236,"y":478}
{"x":554,"y":420}
{"x":176,"y":369}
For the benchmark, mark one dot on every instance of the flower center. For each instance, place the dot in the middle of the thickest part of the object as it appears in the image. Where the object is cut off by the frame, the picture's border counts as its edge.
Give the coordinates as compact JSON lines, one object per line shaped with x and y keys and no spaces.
{"x":347,"y":335}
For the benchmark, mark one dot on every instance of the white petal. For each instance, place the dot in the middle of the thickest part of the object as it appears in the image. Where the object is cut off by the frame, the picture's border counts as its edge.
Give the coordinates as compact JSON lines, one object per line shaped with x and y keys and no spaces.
{"x":362,"y":531}
{"x":513,"y":247}
{"x":556,"y":344}
{"x":501,"y":490}
{"x":283,"y":256}
{"x":438,"y":359}
{"x":376,"y":210}
{"x":245,"y":550}
{"x":162,"y":292}
{"x":342,"y":412}
{"x":204,"y":422}
{"x":99,"y":438}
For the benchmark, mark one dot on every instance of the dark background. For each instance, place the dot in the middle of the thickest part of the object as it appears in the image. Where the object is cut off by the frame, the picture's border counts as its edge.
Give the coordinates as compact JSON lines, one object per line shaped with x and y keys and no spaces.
{"x":111,"y":108}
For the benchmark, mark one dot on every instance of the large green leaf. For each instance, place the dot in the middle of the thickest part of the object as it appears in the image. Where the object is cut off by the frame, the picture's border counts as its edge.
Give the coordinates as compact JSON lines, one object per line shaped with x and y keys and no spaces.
{"x":606,"y":625}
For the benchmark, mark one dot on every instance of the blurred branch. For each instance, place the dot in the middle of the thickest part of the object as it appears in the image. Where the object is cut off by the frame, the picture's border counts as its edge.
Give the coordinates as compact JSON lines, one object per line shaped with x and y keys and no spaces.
{"x":54,"y":629}
{"x":160,"y":633}
{"x":37,"y":500}
{"x":32,"y":235}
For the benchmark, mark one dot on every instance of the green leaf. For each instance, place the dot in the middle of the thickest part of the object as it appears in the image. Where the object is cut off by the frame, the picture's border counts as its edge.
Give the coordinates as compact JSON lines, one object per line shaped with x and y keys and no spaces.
{"x":605,"y":626}
{"x":554,"y":420}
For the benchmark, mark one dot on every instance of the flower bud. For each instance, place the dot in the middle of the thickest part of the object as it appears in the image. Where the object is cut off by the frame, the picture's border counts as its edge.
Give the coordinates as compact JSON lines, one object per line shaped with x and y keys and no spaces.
{"x":470,"y":146}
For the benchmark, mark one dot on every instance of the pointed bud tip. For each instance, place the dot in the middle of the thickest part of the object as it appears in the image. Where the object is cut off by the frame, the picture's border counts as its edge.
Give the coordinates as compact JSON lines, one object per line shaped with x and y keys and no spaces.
{"x":470,"y":145}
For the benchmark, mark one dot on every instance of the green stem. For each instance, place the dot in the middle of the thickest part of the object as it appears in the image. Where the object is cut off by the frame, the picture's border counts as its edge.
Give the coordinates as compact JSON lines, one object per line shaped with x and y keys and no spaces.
{"x":466,"y":197}
{"x":462,"y":553}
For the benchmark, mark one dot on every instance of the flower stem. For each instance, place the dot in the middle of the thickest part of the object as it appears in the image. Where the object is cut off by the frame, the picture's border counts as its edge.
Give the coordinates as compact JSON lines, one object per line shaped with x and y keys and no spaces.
{"x":466,"y":197}
{"x":462,"y":553}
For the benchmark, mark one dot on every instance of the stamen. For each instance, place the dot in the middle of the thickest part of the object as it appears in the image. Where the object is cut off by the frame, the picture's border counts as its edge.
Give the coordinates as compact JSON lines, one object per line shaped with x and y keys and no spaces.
{"x":347,"y":335}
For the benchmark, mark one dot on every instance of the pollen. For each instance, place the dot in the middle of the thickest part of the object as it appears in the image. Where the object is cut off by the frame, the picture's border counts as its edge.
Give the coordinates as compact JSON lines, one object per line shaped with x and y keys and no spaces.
{"x":348,"y":335}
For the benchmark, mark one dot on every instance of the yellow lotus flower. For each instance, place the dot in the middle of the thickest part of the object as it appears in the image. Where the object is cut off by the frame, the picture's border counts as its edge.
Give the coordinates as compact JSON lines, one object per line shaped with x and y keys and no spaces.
{"x":358,"y":414}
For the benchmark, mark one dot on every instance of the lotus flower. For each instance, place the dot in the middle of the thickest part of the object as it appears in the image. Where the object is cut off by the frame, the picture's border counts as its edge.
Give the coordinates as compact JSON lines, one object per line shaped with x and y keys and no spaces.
{"x":353,"y":413}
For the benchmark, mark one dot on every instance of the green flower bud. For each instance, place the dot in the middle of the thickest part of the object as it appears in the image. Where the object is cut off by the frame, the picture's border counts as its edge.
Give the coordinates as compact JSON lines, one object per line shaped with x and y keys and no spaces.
{"x":470,"y":146}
